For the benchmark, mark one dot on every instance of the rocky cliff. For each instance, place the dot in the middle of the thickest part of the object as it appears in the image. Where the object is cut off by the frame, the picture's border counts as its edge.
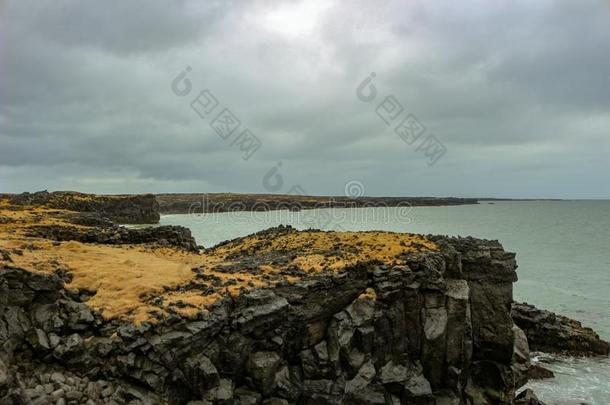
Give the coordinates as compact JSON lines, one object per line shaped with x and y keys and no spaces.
{"x":131,"y":209}
{"x":371,"y":318}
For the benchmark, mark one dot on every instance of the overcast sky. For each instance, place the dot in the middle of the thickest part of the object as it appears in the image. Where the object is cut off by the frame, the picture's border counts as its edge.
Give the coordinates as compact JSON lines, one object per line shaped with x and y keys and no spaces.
{"x":516,"y":92}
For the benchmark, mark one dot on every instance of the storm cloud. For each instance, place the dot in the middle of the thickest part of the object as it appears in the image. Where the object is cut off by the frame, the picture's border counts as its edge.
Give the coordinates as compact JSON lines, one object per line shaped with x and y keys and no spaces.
{"x":516,"y":91}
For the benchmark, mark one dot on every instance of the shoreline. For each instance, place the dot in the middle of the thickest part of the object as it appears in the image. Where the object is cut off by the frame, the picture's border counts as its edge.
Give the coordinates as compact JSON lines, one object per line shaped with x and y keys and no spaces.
{"x":125,"y":308}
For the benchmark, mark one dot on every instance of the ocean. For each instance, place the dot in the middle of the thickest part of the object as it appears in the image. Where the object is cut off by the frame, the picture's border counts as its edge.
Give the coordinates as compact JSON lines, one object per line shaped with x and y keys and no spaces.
{"x":563,"y":253}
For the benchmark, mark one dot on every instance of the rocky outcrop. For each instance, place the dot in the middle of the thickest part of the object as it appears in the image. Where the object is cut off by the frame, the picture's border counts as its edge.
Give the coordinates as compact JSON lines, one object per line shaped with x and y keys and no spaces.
{"x":126,"y":209}
{"x":552,"y":333}
{"x":437,"y":330}
{"x":527,"y":397}
{"x":168,"y":235}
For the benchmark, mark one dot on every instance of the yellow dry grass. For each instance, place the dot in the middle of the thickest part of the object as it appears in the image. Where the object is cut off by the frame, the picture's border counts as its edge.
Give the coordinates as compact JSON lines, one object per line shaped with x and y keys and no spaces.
{"x":119,"y":274}
{"x":127,"y":278}
{"x":318,"y":250}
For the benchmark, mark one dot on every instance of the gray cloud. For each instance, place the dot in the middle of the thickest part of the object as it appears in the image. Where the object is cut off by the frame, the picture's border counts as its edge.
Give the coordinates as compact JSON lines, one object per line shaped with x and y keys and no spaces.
{"x":517,"y":92}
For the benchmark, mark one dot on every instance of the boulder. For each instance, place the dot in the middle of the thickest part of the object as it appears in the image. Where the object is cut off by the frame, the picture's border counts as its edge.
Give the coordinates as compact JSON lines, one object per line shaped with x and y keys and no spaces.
{"x":527,"y":397}
{"x":262,"y":368}
{"x":538,"y":372}
{"x":201,"y":373}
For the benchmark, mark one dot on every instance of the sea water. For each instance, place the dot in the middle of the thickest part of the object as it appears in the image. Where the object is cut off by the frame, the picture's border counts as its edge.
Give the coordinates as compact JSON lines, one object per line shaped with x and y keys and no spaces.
{"x":563,"y":252}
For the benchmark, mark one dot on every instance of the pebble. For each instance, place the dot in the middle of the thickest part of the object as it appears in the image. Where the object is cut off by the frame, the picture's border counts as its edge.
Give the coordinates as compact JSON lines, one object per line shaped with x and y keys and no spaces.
{"x":57,"y":394}
{"x":31,"y":393}
{"x":93,"y":390}
{"x":53,"y":340}
{"x":108,"y":391}
{"x":102,"y":383}
{"x":58,"y":378}
{"x":65,"y":387}
{"x":74,"y":395}
{"x":40,"y":401}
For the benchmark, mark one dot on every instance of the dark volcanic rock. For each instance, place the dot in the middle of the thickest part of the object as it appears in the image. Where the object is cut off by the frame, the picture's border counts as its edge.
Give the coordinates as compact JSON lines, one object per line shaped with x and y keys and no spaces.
{"x":537,"y":372}
{"x":92,"y":219}
{"x":527,"y":397}
{"x":437,"y":331}
{"x":167,"y":235}
{"x":552,"y":333}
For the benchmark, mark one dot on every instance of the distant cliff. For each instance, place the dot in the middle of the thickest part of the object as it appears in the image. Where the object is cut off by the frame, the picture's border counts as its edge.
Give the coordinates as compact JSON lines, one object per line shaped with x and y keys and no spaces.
{"x":130,"y":209}
{"x":219,"y":202}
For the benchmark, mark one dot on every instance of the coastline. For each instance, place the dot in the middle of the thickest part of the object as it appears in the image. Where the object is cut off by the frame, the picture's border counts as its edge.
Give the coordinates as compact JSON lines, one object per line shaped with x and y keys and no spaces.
{"x":450,"y":276}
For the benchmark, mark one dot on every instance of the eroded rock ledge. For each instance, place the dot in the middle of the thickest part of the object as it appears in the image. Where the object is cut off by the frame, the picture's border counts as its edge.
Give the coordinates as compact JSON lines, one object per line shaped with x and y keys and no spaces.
{"x":168,"y":235}
{"x":430,"y":326}
{"x":552,"y":333}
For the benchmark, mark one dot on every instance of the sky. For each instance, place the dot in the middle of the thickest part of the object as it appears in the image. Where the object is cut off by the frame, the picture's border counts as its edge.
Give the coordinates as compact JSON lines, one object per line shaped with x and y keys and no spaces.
{"x":387,"y":98}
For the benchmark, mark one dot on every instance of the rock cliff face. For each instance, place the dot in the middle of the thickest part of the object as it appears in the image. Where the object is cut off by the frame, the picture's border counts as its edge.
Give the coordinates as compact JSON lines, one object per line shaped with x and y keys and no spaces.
{"x":435,"y":329}
{"x":132,"y":209}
